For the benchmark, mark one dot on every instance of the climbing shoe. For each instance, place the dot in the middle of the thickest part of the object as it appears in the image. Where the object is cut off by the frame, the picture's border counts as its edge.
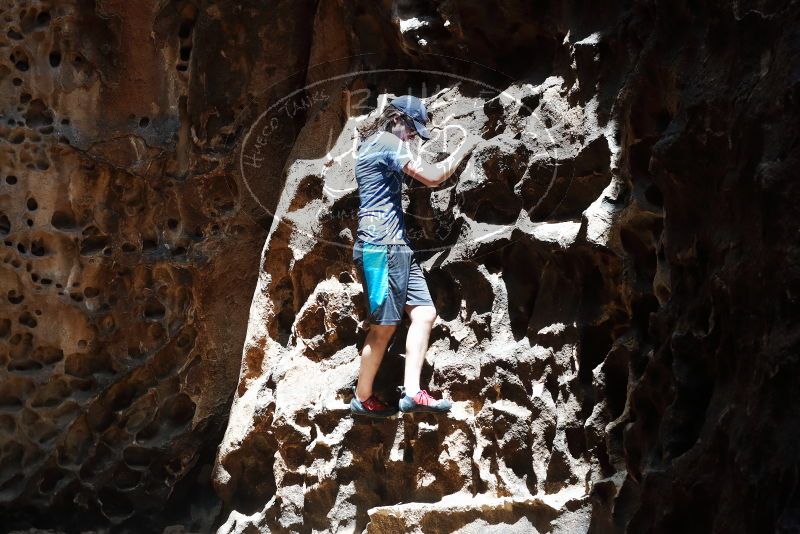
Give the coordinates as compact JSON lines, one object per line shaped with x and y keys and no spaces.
{"x":422,"y":402}
{"x":372,"y":407}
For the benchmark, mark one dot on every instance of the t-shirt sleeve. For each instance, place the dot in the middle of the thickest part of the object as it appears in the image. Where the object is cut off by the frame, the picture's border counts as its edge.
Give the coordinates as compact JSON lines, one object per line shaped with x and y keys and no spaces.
{"x":397,"y":154}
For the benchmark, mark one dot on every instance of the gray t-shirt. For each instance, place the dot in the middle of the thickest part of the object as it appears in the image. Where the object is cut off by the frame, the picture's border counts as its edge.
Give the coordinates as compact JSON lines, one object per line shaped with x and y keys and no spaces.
{"x":379,"y":162}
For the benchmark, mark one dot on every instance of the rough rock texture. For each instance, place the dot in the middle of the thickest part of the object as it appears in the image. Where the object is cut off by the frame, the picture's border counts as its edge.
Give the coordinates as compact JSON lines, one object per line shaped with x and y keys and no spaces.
{"x":129,"y":256}
{"x":615,"y":268}
{"x":616,"y":299}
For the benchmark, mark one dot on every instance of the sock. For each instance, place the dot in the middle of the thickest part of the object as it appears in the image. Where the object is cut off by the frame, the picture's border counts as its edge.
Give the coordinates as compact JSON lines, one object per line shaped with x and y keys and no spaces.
{"x":410,"y":392}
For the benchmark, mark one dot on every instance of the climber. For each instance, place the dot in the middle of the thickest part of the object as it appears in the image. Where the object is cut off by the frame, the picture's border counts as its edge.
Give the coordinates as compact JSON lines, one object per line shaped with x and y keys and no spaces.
{"x":392,"y":278}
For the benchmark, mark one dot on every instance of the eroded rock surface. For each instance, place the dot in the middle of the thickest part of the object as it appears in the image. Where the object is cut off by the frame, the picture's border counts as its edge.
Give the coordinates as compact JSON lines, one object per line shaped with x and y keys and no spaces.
{"x":129,"y":255}
{"x":603,"y":328}
{"x":615,"y":268}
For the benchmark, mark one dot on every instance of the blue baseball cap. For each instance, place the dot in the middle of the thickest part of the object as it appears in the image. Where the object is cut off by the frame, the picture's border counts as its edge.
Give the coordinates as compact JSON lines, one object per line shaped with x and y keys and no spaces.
{"x":415,"y":110}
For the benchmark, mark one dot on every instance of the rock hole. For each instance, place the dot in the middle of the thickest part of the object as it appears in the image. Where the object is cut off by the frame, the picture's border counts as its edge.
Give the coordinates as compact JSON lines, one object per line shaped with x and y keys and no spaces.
{"x":38,"y":114}
{"x":50,"y":479}
{"x":55,"y":58}
{"x":115,"y":505}
{"x":11,"y":393}
{"x":180,"y":409}
{"x":15,"y":35}
{"x":123,"y":396}
{"x":23,"y":366}
{"x":29,"y":222}
{"x":62,"y":220}
{"x":11,"y":179}
{"x":93,"y":245}
{"x":137,"y":456}
{"x":32,"y":204}
{"x":663,"y":118}
{"x":13,"y":298}
{"x":91,"y":292}
{"x":143,"y":122}
{"x":154,"y":310}
{"x":185,"y":53}
{"x":643,"y":256}
{"x":185,"y":29}
{"x":43,"y":19}
{"x":24,"y":98}
{"x":17,"y":81}
{"x":654,"y":196}
{"x":126,"y":478}
{"x":21,"y":248}
{"x":38,"y":248}
{"x":5,"y":225}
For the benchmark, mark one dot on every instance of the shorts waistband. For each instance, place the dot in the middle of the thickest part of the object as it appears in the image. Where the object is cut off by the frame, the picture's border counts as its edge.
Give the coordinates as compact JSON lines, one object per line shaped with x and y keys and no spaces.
{"x":361,"y":242}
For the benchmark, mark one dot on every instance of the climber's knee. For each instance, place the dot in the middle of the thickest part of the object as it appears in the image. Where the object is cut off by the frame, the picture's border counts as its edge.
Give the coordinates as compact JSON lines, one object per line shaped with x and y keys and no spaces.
{"x":421,"y":313}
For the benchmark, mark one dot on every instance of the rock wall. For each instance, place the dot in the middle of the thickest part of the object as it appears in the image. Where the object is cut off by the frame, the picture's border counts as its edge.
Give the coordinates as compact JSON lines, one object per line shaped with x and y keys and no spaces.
{"x":604,"y":327}
{"x":130,"y":256}
{"x":614,"y":268}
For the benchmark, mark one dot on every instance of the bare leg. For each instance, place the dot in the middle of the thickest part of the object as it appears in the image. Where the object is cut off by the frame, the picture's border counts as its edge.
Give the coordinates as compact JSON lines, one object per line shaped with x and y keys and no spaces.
{"x":371,"y":355}
{"x":422,"y":318}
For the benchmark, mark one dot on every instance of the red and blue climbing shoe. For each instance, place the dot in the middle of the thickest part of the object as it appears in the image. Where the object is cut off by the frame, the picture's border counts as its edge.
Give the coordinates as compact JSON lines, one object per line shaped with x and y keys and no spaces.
{"x":372,"y":407}
{"x":423,"y":402}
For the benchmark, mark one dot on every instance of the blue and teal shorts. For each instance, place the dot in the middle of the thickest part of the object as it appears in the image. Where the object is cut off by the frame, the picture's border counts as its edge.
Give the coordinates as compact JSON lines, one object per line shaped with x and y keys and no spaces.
{"x":391,"y":277}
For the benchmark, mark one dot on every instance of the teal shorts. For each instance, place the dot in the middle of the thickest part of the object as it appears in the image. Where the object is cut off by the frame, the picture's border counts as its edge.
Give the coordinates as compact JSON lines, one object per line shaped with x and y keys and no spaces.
{"x":391,"y":277}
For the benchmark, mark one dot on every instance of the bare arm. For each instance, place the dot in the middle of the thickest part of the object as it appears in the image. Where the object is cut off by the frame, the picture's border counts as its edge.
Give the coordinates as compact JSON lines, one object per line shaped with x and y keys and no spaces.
{"x":433,"y":174}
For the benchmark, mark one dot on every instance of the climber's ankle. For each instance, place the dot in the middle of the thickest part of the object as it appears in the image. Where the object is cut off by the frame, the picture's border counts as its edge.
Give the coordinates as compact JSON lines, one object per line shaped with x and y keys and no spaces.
{"x":411,"y":389}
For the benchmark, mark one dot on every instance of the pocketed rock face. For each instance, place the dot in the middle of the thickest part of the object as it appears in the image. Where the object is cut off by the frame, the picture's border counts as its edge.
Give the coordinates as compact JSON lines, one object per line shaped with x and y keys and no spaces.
{"x":129,"y":257}
{"x":620,"y":343}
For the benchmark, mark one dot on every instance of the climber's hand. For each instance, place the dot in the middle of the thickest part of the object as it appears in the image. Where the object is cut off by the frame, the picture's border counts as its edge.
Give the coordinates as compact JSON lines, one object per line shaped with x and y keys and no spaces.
{"x":434,"y":174}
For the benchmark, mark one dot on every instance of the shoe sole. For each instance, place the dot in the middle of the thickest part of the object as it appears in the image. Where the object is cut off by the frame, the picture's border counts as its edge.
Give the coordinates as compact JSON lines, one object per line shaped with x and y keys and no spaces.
{"x":374,"y":416}
{"x":425,"y":410}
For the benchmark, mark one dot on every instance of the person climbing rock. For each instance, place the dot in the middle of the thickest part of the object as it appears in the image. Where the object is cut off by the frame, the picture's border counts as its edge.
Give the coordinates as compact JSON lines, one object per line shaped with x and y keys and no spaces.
{"x":390,"y":273}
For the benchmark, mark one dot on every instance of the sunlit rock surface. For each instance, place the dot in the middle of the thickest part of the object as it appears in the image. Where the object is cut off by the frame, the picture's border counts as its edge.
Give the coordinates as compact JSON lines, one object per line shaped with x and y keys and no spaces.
{"x":603,"y":328}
